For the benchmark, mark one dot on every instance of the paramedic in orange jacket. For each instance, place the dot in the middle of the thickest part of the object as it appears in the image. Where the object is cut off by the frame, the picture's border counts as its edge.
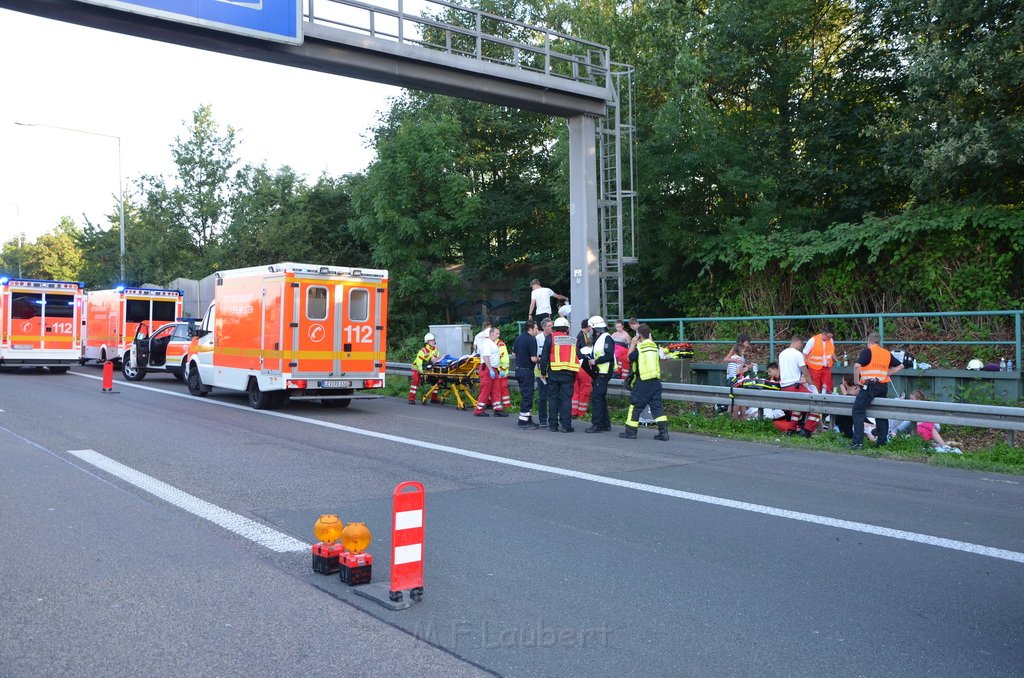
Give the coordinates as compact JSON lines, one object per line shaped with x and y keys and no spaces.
{"x":872,"y":370}
{"x":427,"y":356}
{"x":820,"y":354}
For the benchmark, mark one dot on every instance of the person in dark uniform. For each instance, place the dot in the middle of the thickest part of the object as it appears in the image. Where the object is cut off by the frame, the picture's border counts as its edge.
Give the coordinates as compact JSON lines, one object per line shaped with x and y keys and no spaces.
{"x":645,"y":377}
{"x":872,"y":370}
{"x":525,"y":351}
{"x":559,"y":364}
{"x":602,"y":364}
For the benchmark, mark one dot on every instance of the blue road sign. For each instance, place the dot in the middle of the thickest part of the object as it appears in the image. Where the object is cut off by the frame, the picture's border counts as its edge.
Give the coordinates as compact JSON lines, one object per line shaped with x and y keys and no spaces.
{"x":279,"y":20}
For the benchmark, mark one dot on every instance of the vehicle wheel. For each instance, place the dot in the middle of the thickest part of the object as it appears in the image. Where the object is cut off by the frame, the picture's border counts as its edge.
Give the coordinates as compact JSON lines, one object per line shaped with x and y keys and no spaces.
{"x":59,"y":370}
{"x":180,"y":374}
{"x":132,"y":373}
{"x":336,"y":403}
{"x":195,"y":382}
{"x":259,"y":400}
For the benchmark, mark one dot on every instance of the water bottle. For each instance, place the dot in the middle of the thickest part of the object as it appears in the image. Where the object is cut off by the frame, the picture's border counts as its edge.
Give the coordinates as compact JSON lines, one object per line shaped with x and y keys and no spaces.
{"x":845,"y":361}
{"x":1002,"y":364}
{"x":753,"y":368}
{"x":1009,"y":366}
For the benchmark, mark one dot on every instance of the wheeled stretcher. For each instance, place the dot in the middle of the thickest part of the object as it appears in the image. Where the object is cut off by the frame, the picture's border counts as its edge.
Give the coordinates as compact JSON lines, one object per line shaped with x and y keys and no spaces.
{"x":449,"y":376}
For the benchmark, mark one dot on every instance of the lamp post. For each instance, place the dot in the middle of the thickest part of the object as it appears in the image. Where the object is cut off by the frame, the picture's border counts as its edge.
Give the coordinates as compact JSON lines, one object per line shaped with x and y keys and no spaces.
{"x":120,"y":178}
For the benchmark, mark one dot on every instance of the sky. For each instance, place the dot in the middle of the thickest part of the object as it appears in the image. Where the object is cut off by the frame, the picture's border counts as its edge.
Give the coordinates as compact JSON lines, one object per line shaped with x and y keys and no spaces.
{"x":144,"y":92}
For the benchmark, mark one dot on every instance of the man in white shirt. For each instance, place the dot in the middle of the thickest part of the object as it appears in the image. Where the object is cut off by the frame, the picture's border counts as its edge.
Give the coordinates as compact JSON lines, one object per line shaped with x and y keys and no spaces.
{"x":540,"y":301}
{"x":794,"y":376}
{"x":481,"y":335}
{"x":490,"y":360}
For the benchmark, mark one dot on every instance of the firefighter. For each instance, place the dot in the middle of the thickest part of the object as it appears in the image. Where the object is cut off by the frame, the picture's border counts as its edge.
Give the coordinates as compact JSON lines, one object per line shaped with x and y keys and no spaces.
{"x":581,"y":387}
{"x":500,"y":394}
{"x":558,"y":365}
{"x":489,"y":363}
{"x":645,"y":380}
{"x":602,"y":364}
{"x":872,"y":370}
{"x":428,"y":355}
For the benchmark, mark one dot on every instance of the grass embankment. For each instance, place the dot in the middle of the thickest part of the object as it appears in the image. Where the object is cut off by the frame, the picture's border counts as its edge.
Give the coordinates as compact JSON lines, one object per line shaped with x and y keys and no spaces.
{"x":984,"y":449}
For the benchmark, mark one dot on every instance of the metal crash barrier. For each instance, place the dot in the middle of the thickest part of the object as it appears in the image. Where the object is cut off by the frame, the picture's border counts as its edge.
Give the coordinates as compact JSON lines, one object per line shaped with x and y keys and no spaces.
{"x":1009,"y":419}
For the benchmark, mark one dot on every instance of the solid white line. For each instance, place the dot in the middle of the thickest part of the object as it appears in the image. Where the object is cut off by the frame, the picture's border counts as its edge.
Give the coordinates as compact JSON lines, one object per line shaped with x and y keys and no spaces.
{"x":826,"y":521}
{"x":240,"y":525}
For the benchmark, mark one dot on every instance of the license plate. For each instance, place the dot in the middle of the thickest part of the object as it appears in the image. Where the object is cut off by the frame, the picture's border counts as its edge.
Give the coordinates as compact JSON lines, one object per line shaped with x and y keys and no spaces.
{"x":334,"y":383}
{"x":23,"y":347}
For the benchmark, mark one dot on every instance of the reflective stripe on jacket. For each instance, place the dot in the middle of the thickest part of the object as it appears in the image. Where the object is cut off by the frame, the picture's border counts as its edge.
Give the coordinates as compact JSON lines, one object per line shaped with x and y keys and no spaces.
{"x":649,"y":360}
{"x":878,"y":368}
{"x":821,"y":354}
{"x":563,"y":353}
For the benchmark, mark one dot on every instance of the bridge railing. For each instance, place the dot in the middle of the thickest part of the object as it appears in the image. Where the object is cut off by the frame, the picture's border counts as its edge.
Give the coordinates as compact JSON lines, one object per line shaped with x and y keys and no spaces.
{"x":470,"y":33}
{"x":1009,"y":419}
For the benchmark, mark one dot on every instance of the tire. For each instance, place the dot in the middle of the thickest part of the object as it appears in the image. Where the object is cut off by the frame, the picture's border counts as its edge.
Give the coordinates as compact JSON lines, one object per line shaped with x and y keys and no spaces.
{"x":132,"y":373}
{"x":195,"y":383}
{"x":336,"y":403}
{"x":179,"y":374}
{"x":259,"y":400}
{"x":59,"y":370}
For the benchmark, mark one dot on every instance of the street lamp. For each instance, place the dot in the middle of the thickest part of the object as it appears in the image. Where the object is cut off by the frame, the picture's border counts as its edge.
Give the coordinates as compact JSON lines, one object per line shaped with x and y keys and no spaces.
{"x":120,"y":179}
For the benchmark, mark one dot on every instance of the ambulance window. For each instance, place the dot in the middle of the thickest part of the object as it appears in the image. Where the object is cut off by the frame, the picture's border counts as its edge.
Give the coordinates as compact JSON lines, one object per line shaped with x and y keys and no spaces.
{"x":358,"y":305}
{"x":136,"y":310}
{"x":27,"y":306}
{"x":60,"y":306}
{"x":163,"y":311}
{"x":181,"y":332}
{"x":316,"y":303}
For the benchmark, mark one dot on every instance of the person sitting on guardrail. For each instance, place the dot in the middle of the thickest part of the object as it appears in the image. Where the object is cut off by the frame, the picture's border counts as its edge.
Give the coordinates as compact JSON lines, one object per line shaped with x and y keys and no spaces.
{"x":872,"y":370}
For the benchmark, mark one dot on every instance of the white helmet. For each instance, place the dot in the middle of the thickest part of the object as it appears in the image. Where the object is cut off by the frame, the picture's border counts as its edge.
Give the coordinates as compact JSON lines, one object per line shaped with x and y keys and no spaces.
{"x":428,"y":337}
{"x":597,"y":322}
{"x":561,"y":322}
{"x":975,"y":365}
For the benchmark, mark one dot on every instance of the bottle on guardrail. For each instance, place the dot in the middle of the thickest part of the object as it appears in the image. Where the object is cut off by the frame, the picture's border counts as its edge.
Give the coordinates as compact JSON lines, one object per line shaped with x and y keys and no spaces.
{"x":1002,"y":364}
{"x":846,"y":363}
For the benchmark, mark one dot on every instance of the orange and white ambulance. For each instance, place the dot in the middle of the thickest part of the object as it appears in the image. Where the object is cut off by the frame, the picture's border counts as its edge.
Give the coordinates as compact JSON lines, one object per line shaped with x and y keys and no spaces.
{"x":112,"y":318}
{"x":299,"y":331}
{"x":40,"y":323}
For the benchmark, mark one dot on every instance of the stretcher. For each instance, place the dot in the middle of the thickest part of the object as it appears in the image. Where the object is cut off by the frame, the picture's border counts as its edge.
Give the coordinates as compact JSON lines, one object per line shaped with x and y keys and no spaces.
{"x":457,"y":377}
{"x":682,"y":349}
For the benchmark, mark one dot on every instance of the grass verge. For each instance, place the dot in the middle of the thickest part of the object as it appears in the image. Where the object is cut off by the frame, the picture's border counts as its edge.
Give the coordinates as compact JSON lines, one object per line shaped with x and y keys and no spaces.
{"x":983,"y":449}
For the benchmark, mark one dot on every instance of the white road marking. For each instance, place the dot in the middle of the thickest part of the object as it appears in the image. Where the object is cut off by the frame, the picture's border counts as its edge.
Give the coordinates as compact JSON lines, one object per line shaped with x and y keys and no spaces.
{"x":240,"y":525}
{"x":826,"y":521}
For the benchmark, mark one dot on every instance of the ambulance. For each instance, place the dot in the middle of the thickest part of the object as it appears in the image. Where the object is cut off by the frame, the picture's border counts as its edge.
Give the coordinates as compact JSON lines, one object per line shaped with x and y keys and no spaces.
{"x":113,"y":318}
{"x":40,"y":323}
{"x":298,"y":331}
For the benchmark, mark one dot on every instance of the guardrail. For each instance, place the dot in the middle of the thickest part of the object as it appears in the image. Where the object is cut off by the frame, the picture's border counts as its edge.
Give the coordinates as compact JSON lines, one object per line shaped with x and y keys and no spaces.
{"x":1009,"y":419}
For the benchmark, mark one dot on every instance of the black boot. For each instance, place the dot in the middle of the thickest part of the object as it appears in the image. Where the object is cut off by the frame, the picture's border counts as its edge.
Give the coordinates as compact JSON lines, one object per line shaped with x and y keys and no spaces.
{"x":629,"y":433}
{"x":662,"y":431}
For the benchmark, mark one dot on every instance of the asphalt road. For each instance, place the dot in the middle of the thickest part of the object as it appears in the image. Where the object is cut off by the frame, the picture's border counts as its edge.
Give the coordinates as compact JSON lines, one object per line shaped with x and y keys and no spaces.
{"x":546,"y":554}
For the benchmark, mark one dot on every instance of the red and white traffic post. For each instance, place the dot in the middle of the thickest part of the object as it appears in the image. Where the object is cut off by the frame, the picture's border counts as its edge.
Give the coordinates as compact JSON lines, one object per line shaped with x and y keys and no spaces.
{"x":407,"y":520}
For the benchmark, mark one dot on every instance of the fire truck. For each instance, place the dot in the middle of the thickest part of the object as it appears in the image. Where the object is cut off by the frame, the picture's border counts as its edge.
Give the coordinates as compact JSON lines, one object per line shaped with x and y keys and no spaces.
{"x":40,"y":323}
{"x":299,"y":331}
{"x":113,"y":317}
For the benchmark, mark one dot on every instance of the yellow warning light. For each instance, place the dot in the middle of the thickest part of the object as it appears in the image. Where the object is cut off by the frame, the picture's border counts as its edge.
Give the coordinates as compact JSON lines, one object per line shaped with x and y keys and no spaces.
{"x":355,"y":537}
{"x":328,"y":528}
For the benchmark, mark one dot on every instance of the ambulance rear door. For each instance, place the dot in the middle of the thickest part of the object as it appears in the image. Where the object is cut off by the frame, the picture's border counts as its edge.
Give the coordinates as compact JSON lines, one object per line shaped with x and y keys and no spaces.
{"x":313,"y":328}
{"x":358,"y":314}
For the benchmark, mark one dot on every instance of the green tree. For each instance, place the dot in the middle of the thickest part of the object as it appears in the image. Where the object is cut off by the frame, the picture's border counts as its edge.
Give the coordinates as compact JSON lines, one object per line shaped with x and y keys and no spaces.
{"x":56,"y":255}
{"x":177,"y":228}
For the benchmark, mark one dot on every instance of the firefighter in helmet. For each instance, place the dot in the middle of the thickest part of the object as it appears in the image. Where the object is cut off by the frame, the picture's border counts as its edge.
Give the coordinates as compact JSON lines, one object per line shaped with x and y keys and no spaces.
{"x":645,"y":385}
{"x":427,"y":355}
